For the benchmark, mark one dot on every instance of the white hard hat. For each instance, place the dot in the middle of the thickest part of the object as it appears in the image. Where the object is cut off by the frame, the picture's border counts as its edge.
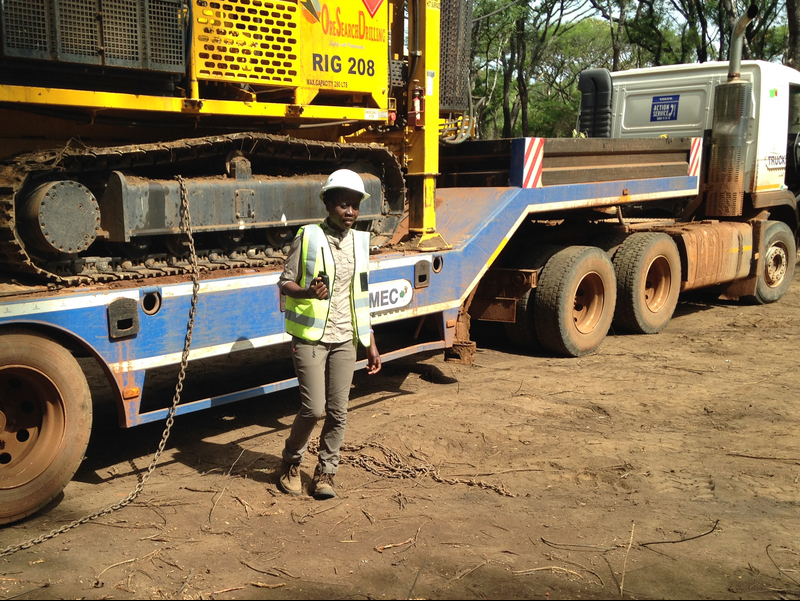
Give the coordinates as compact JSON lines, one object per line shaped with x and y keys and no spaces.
{"x":344,"y":178}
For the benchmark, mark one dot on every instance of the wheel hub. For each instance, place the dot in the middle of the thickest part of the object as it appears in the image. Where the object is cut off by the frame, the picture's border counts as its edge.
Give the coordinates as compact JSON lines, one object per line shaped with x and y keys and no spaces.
{"x":657,"y":284}
{"x":775,"y":264}
{"x":589,"y":299}
{"x":33,"y":424}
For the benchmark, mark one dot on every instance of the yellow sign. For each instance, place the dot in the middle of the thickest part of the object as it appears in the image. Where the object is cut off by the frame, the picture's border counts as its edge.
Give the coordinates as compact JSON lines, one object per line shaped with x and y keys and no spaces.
{"x":346,"y":47}
{"x":329,"y":47}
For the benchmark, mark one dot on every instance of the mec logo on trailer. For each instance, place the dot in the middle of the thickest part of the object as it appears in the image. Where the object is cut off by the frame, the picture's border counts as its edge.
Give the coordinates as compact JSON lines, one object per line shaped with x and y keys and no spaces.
{"x":386,"y":296}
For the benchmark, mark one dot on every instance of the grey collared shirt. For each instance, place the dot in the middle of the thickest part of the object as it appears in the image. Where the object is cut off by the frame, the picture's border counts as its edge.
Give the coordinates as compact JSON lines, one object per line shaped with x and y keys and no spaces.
{"x":339,"y":327}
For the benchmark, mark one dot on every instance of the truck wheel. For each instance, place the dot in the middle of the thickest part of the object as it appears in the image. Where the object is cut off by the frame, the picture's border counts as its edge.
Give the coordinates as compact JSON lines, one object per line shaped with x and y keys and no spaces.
{"x":610,"y":242}
{"x":522,"y":332}
{"x":574,"y":302}
{"x":45,"y":420}
{"x":648,"y":270}
{"x":779,"y":262}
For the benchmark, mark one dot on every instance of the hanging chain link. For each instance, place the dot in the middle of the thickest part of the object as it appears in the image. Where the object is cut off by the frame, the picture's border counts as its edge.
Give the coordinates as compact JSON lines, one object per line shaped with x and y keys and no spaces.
{"x":186,"y":225}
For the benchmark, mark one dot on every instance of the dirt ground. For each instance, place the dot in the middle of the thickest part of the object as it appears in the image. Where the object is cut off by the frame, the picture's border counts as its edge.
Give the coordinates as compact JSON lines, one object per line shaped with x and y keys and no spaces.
{"x":658,"y":467}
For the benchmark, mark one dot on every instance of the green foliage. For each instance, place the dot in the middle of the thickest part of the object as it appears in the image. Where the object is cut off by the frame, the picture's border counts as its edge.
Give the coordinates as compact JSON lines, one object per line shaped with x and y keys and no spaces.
{"x":527,"y":54}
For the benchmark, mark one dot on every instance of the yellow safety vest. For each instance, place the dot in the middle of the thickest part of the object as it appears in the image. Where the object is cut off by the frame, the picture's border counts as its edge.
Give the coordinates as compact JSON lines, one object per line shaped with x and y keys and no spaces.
{"x":306,"y":317}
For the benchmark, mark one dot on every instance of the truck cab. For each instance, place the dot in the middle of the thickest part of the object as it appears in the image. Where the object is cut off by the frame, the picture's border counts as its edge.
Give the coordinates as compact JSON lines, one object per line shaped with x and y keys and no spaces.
{"x":762,"y":164}
{"x":679,"y":101}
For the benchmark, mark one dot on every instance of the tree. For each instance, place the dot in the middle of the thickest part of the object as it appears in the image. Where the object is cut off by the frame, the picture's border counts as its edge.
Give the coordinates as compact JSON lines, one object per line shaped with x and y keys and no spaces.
{"x":696,"y":15}
{"x":793,"y":26}
{"x":765,"y":37}
{"x":491,"y":32}
{"x":554,"y":98}
{"x":527,"y":54}
{"x":507,"y":48}
{"x":615,"y":12}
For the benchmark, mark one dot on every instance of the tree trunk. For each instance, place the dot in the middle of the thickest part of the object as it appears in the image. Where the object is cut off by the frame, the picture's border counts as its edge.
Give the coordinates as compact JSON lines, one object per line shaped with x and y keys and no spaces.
{"x":522,"y":76}
{"x":509,"y":66}
{"x":793,"y":18}
{"x":696,"y":8}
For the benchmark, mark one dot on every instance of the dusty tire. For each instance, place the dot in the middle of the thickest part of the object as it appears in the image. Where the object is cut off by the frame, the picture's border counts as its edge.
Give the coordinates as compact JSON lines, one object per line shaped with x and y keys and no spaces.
{"x":779,"y":262}
{"x":46,"y":417}
{"x":575,"y":300}
{"x":522,"y":332}
{"x":610,"y":241}
{"x":648,"y":270}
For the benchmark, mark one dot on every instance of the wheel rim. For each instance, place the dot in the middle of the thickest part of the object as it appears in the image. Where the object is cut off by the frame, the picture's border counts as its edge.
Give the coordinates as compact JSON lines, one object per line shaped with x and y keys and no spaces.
{"x":657,"y":284}
{"x":589,"y":300}
{"x":775,"y":264}
{"x":33,"y":424}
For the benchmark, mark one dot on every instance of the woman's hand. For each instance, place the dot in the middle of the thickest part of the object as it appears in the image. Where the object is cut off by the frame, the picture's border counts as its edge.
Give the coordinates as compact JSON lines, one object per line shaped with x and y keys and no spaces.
{"x":373,"y":357}
{"x":316,"y":290}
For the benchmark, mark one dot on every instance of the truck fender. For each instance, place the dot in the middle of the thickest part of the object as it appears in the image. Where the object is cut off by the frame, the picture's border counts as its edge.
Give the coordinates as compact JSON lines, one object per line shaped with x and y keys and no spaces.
{"x":74,"y":344}
{"x":781,"y":204}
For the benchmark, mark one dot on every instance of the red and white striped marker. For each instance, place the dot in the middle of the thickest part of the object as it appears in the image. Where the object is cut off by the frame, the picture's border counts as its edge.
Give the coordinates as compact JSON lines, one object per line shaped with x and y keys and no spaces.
{"x":695,"y":156}
{"x":532,"y":167}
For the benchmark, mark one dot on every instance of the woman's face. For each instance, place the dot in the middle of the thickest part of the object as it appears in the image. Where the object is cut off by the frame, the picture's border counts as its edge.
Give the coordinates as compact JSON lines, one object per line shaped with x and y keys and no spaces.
{"x":342,"y":205}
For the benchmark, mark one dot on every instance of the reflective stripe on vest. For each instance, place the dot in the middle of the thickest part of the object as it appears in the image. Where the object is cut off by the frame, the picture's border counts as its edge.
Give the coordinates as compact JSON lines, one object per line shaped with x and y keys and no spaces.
{"x":306,"y":318}
{"x":359,"y":287}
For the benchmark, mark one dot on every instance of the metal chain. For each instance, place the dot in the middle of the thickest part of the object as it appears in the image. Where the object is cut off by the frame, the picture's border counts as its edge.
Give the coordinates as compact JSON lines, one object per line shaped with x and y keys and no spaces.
{"x":186,"y":225}
{"x":394,"y":466}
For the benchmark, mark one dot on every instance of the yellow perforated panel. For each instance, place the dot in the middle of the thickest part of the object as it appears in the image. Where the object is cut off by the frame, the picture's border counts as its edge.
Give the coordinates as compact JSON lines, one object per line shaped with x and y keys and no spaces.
{"x":251,"y":41}
{"x":325,"y":52}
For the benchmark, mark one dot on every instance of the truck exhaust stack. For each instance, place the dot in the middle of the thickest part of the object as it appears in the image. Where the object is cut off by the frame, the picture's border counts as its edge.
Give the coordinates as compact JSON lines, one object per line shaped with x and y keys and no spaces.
{"x":735,"y":58}
{"x":732,"y":110}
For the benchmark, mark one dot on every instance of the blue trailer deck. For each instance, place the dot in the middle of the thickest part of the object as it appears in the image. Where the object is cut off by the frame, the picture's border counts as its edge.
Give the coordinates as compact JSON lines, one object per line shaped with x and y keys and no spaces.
{"x":244,"y":312}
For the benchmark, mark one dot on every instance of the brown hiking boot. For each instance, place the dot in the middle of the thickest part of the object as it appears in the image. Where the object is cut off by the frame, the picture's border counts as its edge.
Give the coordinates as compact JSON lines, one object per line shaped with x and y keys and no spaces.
{"x":323,"y":485}
{"x":290,"y":482}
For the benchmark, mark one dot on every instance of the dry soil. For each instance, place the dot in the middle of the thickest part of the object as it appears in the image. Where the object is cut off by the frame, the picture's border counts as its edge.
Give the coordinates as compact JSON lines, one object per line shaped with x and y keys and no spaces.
{"x":658,"y":467}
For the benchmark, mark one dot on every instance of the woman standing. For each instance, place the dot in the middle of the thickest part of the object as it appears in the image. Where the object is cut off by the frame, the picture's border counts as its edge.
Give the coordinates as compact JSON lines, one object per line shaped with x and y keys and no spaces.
{"x":325,"y":280}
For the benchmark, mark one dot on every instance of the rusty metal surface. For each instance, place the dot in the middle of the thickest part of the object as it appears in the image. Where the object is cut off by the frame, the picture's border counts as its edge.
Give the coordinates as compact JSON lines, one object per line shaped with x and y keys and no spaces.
{"x":747,"y":286}
{"x":607,"y":146}
{"x":503,"y":282}
{"x":76,"y":163}
{"x":572,"y":161}
{"x":497,"y":294}
{"x":774,"y":198}
{"x":463,"y":212}
{"x":713,"y":252}
{"x":567,"y":161}
{"x":494,"y":309}
{"x":478,"y":222}
{"x":726,"y":170}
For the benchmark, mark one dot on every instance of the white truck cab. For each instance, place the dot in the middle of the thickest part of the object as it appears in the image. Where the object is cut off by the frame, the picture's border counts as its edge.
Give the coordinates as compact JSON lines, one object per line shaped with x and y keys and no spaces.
{"x":678,"y":101}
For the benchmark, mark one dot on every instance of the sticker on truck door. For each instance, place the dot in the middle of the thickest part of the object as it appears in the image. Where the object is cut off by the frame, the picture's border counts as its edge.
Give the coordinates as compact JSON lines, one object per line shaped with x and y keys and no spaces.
{"x":665,"y":108}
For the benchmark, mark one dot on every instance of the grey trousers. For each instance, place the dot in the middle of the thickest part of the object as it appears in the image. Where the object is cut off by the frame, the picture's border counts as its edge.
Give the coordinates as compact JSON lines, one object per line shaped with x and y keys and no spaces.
{"x":325,"y":374}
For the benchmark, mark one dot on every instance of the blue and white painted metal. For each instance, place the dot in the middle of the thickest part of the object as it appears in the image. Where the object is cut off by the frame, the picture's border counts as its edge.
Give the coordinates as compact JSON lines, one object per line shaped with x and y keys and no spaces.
{"x":243,"y":312}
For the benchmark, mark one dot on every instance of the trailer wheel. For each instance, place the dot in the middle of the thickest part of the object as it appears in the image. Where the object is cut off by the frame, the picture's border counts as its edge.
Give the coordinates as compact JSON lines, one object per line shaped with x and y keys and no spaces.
{"x":45,"y":420}
{"x":574,"y":302}
{"x":779,"y":263}
{"x":648,"y":270}
{"x":522,"y":332}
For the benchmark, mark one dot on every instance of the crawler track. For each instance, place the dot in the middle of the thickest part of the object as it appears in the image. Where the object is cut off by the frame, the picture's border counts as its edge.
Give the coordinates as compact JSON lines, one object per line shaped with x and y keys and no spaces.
{"x":187,"y":154}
